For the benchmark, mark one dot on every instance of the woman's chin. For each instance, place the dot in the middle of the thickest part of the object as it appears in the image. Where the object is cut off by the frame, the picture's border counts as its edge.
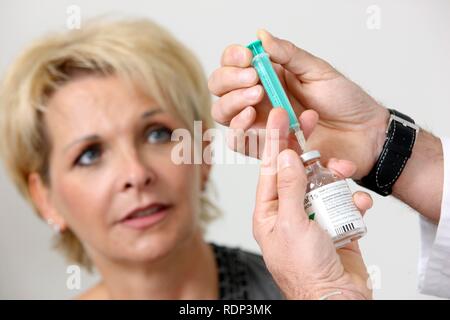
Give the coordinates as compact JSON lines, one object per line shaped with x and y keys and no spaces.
{"x":152,"y":246}
{"x":144,"y":252}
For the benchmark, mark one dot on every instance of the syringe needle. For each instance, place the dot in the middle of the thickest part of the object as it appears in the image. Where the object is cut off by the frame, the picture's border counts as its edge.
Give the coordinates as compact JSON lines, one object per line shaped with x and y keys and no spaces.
{"x":300,"y":138}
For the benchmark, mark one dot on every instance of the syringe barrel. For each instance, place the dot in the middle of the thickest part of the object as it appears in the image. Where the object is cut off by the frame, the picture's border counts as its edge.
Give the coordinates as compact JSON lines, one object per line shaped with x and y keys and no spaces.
{"x":271,"y":82}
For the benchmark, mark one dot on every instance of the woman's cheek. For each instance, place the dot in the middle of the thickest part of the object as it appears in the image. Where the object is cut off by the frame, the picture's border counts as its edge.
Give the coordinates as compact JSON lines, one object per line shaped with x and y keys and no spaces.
{"x":83,"y":204}
{"x":188,"y":185}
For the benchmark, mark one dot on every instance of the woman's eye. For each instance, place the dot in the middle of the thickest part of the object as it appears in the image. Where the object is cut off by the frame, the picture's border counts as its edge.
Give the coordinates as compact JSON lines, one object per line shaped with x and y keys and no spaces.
{"x":89,"y":156}
{"x":159,"y":135}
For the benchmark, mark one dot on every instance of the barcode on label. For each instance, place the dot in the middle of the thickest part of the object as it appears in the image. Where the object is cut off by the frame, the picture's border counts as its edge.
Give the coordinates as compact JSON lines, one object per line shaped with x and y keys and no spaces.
{"x":345,"y":228}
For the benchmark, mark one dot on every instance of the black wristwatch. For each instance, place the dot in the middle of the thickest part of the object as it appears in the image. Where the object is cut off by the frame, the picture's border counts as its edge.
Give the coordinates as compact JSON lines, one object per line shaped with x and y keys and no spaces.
{"x":401,"y":135}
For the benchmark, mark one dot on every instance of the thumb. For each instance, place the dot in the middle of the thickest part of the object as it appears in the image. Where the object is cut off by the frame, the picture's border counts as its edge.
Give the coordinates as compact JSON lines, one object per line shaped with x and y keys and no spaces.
{"x":308,"y":120}
{"x":294,"y":59}
{"x":291,"y":185}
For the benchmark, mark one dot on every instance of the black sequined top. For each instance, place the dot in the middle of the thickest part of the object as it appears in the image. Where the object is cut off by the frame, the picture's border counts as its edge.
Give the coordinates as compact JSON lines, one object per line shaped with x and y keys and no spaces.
{"x":244,"y":276}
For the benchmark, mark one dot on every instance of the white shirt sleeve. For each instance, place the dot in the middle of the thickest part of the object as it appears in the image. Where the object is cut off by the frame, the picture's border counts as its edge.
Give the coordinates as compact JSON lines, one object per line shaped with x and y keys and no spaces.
{"x":434,"y":261}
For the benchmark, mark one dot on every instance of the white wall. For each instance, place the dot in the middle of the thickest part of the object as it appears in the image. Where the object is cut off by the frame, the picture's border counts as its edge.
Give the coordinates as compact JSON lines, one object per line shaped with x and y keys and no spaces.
{"x":404,"y":65}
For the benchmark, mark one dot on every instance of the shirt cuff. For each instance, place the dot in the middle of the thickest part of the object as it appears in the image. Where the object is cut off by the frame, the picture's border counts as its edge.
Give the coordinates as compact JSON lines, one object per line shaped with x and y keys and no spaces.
{"x":434,"y":262}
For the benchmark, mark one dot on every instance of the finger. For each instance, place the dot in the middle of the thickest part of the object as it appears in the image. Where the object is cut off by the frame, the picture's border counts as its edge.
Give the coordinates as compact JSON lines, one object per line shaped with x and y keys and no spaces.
{"x":276,"y":140}
{"x":308,"y":120}
{"x":231,"y":104}
{"x":244,"y":119}
{"x":237,"y":56}
{"x":237,"y":132}
{"x":363,"y":201}
{"x":294,"y":59}
{"x":291,"y":187}
{"x":352,"y":260}
{"x":225,"y":79}
{"x":346,"y":169}
{"x":343,"y":168}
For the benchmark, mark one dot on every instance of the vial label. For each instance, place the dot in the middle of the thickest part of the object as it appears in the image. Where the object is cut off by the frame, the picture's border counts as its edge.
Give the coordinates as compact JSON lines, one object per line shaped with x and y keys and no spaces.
{"x":332,"y":207}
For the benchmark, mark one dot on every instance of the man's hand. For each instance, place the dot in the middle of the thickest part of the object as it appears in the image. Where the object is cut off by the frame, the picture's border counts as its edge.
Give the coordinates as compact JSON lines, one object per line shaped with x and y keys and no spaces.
{"x":299,"y":254}
{"x":352,"y":124}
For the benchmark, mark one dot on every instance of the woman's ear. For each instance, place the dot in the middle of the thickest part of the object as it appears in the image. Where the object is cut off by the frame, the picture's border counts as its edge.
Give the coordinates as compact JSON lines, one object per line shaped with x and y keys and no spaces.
{"x":40,"y":196}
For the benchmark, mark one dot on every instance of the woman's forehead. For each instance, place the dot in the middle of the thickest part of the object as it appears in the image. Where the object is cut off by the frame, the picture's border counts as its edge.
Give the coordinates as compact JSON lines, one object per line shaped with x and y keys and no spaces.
{"x":99,"y":94}
{"x":91,"y":104}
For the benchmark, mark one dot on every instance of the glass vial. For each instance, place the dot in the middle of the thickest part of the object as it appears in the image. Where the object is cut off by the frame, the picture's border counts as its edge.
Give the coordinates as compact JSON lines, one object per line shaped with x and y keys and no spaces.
{"x":329,"y":202}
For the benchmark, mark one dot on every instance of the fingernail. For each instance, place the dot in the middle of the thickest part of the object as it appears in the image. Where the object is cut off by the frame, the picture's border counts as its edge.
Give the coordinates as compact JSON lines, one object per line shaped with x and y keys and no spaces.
{"x":269,"y":33}
{"x":266,"y":35}
{"x":247,"y":75}
{"x":285,"y":160}
{"x":333,"y":162}
{"x":239,"y":54}
{"x":253,"y":93}
{"x":247,"y":112}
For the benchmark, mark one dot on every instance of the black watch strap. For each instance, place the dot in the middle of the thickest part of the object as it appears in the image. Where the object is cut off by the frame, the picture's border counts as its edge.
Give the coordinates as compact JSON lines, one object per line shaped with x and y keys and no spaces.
{"x":397,"y":149}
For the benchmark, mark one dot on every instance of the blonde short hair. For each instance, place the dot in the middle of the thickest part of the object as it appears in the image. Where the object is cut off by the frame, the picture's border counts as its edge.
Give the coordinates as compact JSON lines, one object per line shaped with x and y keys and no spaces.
{"x":136,"y":50}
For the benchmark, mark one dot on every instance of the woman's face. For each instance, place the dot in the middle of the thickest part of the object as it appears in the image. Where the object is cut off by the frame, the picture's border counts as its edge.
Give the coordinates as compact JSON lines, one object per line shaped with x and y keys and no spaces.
{"x":111,"y":154}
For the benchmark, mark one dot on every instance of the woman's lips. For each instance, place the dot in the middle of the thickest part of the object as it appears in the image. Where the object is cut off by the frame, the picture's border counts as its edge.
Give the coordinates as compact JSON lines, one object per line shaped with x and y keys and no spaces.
{"x":146,"y":221}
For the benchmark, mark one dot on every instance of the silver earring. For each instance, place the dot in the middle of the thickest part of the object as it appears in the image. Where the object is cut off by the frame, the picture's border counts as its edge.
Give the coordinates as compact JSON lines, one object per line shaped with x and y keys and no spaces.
{"x":56,"y":228}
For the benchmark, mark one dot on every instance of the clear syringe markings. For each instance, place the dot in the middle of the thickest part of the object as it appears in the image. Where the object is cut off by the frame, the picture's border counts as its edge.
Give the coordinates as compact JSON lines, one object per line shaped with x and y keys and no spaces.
{"x":274,"y":89}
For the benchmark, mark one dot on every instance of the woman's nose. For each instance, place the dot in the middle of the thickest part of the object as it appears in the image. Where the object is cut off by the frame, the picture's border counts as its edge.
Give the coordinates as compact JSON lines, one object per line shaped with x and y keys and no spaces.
{"x":136,"y":173}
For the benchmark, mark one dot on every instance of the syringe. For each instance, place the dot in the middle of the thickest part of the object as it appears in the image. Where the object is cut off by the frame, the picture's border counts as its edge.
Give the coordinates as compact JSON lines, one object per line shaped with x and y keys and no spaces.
{"x":274,"y":89}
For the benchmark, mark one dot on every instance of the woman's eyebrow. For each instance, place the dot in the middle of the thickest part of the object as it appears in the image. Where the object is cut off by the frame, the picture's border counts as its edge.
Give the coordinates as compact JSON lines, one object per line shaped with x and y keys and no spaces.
{"x":94,"y":137}
{"x":150,"y":113}
{"x":87,"y":138}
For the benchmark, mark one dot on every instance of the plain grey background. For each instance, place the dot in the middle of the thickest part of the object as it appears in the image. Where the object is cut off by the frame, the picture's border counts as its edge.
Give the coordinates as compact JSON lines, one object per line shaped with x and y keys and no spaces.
{"x":404,"y":64}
